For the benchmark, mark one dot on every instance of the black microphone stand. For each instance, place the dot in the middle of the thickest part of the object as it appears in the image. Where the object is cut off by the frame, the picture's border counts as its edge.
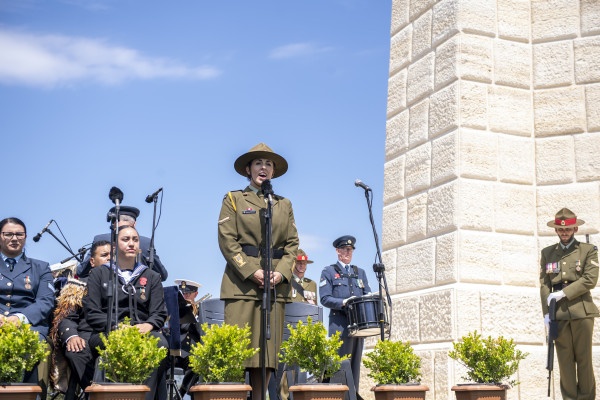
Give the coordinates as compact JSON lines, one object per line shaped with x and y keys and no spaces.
{"x":65,"y":246}
{"x":111,"y":290}
{"x":268,"y":260}
{"x":151,"y":250}
{"x":80,"y":252}
{"x":379,"y":269}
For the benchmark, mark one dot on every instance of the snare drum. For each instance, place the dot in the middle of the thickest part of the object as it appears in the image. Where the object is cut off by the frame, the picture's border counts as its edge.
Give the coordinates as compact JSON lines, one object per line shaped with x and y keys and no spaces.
{"x":363,"y":316}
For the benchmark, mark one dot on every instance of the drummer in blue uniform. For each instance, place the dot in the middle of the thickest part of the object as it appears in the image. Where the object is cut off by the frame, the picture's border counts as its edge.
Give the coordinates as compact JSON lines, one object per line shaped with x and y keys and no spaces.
{"x":339,"y":283}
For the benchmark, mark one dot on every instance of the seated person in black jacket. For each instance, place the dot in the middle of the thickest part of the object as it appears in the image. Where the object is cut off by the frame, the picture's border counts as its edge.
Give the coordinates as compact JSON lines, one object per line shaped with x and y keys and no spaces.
{"x":71,"y":332}
{"x":127,"y":217}
{"x":140,"y":297}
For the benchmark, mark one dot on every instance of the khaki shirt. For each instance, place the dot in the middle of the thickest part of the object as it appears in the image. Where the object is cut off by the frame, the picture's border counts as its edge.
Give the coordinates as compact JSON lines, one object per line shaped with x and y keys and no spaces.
{"x":578,"y":268}
{"x":310,"y":292}
{"x":241,"y":222}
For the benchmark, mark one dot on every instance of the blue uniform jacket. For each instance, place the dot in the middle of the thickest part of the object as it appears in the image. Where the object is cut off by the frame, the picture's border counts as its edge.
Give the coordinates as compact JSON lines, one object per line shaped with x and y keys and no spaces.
{"x":84,"y":268}
{"x":334,"y":288}
{"x":28,"y":290}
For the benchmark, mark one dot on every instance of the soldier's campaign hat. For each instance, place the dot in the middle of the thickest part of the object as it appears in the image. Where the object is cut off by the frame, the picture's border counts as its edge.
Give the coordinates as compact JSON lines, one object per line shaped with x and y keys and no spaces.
{"x":126,"y":210}
{"x":187,"y":286}
{"x":261,"y":150}
{"x":565,"y":218}
{"x":344,"y":241}
{"x":301,"y":256}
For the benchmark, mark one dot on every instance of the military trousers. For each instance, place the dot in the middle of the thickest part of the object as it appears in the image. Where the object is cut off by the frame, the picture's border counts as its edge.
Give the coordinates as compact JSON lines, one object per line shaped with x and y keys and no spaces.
{"x":353,"y":347}
{"x":574,"y":352}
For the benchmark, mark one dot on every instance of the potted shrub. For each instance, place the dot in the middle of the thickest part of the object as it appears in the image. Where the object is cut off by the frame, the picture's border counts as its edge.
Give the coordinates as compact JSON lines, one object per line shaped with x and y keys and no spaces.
{"x":490,"y":363}
{"x":128,"y":359}
{"x":397,"y":370}
{"x":219,"y":361}
{"x":20,"y":351}
{"x":309,"y":348}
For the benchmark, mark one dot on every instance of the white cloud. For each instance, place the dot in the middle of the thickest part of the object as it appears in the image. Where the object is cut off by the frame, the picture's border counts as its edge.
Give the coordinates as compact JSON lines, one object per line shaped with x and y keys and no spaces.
{"x":54,"y":60}
{"x":295,"y":50}
{"x":313,"y":243}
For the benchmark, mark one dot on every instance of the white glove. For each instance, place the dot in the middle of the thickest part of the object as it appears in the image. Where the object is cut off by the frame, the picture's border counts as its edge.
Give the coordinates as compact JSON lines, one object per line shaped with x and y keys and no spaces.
{"x":547,"y":322}
{"x":346,"y":300}
{"x":556,"y":295}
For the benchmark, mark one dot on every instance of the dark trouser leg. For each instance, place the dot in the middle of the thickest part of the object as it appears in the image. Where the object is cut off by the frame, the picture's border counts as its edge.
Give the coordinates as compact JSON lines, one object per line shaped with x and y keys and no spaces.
{"x":157,"y":380}
{"x":82,"y":365}
{"x":353,"y":347}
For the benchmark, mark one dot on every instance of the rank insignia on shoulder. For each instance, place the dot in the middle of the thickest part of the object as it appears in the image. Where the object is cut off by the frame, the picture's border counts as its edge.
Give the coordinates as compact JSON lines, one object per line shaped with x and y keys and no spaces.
{"x":249,"y":211}
{"x":323,"y":283}
{"x":239,"y":260}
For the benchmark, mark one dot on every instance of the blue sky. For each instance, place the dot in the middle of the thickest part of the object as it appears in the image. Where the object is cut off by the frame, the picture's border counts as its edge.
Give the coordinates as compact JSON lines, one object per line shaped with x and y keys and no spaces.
{"x":148,"y":94}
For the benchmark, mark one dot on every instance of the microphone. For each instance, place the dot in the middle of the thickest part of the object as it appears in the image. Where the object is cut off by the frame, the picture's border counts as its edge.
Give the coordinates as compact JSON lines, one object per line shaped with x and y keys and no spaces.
{"x":115,"y":195}
{"x":267,"y":189}
{"x":150,"y":198}
{"x":37,"y":237}
{"x":359,"y":183}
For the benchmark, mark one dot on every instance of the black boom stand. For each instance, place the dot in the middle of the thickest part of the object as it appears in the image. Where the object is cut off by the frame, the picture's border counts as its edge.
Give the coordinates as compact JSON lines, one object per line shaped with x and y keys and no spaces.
{"x":378,"y":266}
{"x":116,"y":195}
{"x":267,"y":190}
{"x":153,"y":198}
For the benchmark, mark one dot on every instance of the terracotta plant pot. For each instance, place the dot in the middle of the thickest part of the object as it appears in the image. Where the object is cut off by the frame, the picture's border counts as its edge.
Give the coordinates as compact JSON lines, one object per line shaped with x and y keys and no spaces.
{"x":408,"y":391}
{"x":477,"y":391}
{"x":222,"y":391}
{"x":20,"y":391}
{"x":117,"y":391}
{"x":320,"y":391}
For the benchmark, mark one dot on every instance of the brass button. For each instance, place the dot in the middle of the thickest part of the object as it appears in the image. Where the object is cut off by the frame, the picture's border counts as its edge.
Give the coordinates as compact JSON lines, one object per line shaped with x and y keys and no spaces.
{"x":9,"y":284}
{"x":565,"y":281}
{"x":8,"y":295}
{"x":564,"y":273}
{"x":5,"y":312}
{"x":7,"y":304}
{"x":564,"y":262}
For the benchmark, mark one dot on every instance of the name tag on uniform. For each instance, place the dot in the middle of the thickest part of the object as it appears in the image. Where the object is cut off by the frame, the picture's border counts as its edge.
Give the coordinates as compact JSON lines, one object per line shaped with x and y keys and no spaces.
{"x":552,"y":268}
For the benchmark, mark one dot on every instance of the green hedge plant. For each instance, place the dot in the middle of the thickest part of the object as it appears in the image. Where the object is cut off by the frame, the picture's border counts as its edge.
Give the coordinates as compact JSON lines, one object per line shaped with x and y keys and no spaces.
{"x":488,"y":360}
{"x":393,"y":363}
{"x":128,"y":355}
{"x":20,"y":351}
{"x":312,"y":350}
{"x":221,"y":355}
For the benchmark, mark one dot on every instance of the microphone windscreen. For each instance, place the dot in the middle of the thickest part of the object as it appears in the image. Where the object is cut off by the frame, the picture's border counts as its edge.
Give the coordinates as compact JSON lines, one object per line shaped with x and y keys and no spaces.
{"x":266,"y":187}
{"x":115,"y":194}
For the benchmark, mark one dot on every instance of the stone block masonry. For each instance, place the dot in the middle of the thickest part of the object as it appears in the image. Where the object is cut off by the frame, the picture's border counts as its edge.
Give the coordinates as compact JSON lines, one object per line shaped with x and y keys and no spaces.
{"x":493,"y":126}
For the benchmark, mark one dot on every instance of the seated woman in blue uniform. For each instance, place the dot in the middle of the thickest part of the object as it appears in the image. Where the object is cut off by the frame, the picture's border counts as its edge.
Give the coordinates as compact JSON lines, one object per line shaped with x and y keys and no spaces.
{"x":26,"y":289}
{"x":140,"y":297}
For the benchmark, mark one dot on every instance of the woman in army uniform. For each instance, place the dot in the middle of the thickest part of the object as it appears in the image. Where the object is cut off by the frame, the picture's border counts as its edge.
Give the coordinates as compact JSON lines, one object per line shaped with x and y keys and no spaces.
{"x":242,"y":242}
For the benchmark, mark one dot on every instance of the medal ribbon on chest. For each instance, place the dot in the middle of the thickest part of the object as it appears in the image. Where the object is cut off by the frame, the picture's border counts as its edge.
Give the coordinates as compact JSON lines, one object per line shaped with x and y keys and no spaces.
{"x":552,"y":268}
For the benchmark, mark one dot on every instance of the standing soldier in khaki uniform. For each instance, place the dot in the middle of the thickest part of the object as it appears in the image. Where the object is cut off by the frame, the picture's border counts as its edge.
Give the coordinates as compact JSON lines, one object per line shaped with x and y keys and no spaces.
{"x":569,"y":270}
{"x":242,"y":242}
{"x":303,"y":289}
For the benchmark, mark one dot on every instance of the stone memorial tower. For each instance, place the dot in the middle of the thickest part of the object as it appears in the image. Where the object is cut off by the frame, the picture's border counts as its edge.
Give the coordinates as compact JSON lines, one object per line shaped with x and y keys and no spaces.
{"x":493,"y":125}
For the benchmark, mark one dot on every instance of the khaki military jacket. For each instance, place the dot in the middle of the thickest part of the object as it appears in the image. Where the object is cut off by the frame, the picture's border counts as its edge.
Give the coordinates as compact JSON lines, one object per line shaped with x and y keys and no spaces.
{"x":310,"y":292}
{"x":578,"y":268}
{"x":241,"y":223}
